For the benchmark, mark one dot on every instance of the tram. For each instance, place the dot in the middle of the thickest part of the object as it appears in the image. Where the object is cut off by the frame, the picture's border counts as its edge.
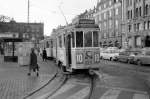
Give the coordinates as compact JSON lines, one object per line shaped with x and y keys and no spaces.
{"x":48,"y":45}
{"x":76,"y":46}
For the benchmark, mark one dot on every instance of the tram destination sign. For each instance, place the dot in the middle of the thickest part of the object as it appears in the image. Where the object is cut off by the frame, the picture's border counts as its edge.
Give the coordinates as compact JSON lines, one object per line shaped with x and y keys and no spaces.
{"x":86,"y":21}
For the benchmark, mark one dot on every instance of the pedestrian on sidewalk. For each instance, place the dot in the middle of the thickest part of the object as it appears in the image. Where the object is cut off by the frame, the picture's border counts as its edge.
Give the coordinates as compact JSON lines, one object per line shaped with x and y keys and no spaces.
{"x":33,"y":66}
{"x":44,"y":55}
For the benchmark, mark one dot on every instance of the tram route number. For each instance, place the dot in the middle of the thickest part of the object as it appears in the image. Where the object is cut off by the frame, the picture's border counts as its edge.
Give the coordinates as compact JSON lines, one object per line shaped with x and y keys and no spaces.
{"x":97,"y":57}
{"x":80,"y":58}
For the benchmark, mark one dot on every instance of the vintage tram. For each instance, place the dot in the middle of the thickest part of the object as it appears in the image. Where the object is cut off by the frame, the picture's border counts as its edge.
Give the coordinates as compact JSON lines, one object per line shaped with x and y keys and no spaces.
{"x":76,"y":46}
{"x":47,"y":43}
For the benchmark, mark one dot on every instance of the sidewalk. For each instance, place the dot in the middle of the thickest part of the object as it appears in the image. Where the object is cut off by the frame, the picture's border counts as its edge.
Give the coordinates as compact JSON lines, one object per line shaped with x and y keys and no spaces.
{"x":14,"y":82}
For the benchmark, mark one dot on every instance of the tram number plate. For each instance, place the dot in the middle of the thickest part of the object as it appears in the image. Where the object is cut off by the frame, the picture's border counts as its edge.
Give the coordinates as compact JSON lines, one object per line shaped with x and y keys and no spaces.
{"x":97,"y":57}
{"x":79,"y":58}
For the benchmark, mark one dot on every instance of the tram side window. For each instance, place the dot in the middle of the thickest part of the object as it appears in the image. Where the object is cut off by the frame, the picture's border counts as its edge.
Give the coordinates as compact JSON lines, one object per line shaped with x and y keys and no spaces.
{"x":88,"y":39}
{"x":73,"y":42}
{"x":47,"y":44}
{"x":60,"y":41}
{"x":95,"y":39}
{"x":79,"y":39}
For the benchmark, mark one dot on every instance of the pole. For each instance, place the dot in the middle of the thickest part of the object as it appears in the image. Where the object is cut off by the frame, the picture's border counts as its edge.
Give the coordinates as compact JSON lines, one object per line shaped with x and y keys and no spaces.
{"x":28,"y":11}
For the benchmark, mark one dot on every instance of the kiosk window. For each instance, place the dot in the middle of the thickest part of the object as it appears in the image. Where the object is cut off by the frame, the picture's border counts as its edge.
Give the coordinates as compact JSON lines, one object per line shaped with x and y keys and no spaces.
{"x":88,"y":39}
{"x":95,"y":39}
{"x":79,"y":39}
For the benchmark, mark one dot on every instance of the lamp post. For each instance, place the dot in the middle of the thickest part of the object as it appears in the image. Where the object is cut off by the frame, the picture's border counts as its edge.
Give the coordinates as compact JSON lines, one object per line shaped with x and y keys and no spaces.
{"x":121,"y":1}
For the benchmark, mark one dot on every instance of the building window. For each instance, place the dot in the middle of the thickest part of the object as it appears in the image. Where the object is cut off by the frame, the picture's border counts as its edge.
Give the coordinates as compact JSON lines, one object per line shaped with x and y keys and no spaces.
{"x":100,"y":7}
{"x":134,"y":27}
{"x":136,"y":12}
{"x":100,"y":18}
{"x":146,"y":9}
{"x":105,"y":35}
{"x":110,"y":13}
{"x":100,"y":25}
{"x":140,"y":27}
{"x":116,"y":24}
{"x":104,"y":15}
{"x":140,"y":12}
{"x":148,"y":24}
{"x":110,"y":3}
{"x":116,"y":33}
{"x":128,"y":14}
{"x":129,"y":28}
{"x":116,"y":11}
{"x":110,"y":23}
{"x":145,"y":25}
{"x":131,"y":14}
{"x":104,"y":5}
{"x":104,"y":25}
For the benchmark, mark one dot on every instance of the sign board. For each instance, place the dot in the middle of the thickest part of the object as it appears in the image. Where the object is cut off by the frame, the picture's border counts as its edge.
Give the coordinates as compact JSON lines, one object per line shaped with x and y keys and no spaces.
{"x":86,"y":21}
{"x":9,"y":35}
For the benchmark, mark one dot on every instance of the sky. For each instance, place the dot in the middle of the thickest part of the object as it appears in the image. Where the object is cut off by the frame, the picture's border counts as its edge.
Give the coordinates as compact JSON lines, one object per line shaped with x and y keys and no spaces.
{"x":50,"y":12}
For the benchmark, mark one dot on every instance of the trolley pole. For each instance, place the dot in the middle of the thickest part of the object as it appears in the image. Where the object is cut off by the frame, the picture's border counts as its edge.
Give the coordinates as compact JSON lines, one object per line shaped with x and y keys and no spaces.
{"x":28,"y":17}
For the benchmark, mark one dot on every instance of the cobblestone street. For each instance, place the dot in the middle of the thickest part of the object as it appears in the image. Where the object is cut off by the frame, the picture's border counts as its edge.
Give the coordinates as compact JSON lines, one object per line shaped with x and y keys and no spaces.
{"x":14,"y":82}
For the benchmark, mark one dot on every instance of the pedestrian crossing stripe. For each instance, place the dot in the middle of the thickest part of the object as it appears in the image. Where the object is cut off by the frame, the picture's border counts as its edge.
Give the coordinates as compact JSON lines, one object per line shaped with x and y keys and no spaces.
{"x":63,"y":89}
{"x":83,"y":92}
{"x":80,"y":94}
{"x":111,"y":94}
{"x":140,"y":96}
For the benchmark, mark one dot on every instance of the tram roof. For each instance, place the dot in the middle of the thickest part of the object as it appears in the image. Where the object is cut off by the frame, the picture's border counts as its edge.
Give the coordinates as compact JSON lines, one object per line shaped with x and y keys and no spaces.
{"x":79,"y":24}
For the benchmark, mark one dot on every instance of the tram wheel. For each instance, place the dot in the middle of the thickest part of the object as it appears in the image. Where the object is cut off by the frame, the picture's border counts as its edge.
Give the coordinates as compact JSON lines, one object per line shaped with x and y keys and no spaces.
{"x":63,"y":68}
{"x":91,"y":72}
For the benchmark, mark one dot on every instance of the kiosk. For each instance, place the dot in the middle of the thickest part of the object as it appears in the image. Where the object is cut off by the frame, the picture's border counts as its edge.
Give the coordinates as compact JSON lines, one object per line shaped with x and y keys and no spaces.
{"x":10,"y":49}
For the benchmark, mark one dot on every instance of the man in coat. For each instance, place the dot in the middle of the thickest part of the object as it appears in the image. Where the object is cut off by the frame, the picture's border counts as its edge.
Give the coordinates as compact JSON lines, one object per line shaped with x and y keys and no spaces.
{"x":33,"y":63}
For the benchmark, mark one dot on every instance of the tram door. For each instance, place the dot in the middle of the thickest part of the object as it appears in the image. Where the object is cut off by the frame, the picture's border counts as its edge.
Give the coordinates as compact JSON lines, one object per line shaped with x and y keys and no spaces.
{"x":68,"y":50}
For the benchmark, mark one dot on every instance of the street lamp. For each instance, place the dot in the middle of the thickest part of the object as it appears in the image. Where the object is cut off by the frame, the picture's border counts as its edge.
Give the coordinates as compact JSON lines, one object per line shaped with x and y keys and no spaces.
{"x":121,"y":1}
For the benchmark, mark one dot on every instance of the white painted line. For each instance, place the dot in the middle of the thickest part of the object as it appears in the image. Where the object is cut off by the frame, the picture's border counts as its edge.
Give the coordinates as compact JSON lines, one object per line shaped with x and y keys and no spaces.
{"x":111,"y":94}
{"x":80,"y":94}
{"x":123,"y":89}
{"x":140,"y":96}
{"x":63,"y":89}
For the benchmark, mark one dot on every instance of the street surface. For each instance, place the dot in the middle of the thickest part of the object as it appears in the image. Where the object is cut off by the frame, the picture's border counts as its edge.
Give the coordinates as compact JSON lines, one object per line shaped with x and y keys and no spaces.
{"x":14,"y":82}
{"x":114,"y":81}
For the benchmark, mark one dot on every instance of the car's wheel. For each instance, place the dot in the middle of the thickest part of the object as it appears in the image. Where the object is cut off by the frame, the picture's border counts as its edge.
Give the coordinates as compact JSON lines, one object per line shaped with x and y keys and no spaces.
{"x":128,"y":61}
{"x":139,"y":63}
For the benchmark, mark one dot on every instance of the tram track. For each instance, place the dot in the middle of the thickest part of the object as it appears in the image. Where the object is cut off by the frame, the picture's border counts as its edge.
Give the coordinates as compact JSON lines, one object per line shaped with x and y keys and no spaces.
{"x":63,"y":80}
{"x":92,"y":86}
{"x":37,"y":90}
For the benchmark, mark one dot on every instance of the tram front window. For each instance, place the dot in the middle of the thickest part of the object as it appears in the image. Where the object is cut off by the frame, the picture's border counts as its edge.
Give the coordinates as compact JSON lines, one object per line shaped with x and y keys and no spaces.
{"x":79,"y":39}
{"x":95,"y":39}
{"x":88,"y":39}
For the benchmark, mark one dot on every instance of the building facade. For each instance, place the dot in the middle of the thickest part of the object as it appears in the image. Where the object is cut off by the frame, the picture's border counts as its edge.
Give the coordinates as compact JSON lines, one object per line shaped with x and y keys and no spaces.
{"x":88,"y":14}
{"x":138,"y":23}
{"x":109,"y":18}
{"x":25,"y":31}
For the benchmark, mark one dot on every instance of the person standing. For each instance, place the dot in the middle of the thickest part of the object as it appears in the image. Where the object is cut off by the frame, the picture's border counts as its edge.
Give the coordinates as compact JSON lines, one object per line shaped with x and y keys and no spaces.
{"x":44,"y":55}
{"x":33,"y":63}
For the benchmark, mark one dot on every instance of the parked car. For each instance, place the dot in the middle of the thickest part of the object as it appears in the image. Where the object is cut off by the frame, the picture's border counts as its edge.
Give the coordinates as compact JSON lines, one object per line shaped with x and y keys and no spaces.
{"x":109,"y":54}
{"x":127,"y":56}
{"x":142,"y":58}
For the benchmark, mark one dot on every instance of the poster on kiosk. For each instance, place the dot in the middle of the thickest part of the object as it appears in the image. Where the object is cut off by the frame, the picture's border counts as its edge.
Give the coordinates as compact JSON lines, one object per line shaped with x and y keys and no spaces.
{"x":24,"y":49}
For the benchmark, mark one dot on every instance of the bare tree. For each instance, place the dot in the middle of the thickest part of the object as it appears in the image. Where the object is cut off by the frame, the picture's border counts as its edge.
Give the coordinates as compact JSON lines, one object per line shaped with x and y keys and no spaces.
{"x":5,"y":18}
